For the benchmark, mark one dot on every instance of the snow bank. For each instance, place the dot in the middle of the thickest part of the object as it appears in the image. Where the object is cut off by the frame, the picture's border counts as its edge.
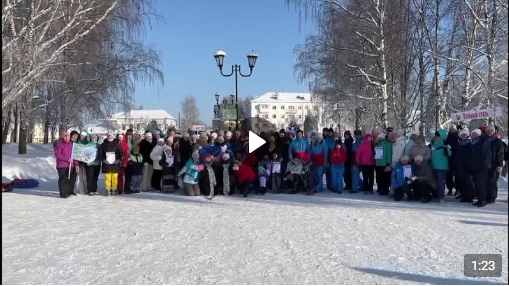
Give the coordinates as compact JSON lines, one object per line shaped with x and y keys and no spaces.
{"x":38,"y":164}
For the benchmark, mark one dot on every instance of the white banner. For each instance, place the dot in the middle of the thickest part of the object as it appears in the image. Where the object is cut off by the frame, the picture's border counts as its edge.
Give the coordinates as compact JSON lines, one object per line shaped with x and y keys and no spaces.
{"x":477,"y":114}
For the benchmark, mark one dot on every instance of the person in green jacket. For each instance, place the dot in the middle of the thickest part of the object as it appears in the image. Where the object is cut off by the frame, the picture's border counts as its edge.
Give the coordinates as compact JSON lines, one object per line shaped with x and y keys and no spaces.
{"x":93,"y":169}
{"x":383,"y":160}
{"x":440,"y":155}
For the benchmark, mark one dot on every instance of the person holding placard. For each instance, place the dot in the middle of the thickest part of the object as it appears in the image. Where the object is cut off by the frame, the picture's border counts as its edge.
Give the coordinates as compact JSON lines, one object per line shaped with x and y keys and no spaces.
{"x":401,"y":179}
{"x":67,"y":168}
{"x":276,"y":171}
{"x":111,"y":154}
{"x":383,"y":160}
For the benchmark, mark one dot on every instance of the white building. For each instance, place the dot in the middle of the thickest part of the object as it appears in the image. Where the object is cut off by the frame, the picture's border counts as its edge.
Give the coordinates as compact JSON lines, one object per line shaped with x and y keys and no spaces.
{"x":284,"y":108}
{"x":141,"y":120}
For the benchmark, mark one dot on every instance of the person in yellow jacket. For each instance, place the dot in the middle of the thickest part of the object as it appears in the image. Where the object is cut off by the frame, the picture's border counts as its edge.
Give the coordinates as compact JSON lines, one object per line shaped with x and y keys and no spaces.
{"x":111,"y":157}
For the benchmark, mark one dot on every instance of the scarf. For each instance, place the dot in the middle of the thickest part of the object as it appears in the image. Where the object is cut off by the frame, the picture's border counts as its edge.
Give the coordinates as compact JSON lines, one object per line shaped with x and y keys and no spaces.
{"x":226,"y":179}
{"x":212,"y":178}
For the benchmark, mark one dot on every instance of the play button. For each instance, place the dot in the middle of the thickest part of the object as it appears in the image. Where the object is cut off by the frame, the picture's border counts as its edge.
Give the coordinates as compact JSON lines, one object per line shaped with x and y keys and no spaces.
{"x":255,"y":142}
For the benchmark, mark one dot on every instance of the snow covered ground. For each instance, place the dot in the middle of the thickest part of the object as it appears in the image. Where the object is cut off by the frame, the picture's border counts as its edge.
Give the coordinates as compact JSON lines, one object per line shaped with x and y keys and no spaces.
{"x":275,"y":239}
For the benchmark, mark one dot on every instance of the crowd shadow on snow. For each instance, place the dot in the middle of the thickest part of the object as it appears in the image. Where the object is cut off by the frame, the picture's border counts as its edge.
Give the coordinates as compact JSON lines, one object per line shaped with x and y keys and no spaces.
{"x":46,"y":189}
{"x":425,"y":278}
{"x":361,"y":200}
{"x":485,"y":223}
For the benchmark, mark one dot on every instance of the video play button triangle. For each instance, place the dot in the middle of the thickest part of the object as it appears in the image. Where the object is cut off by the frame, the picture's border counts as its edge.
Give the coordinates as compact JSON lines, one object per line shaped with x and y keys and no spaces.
{"x":255,"y":142}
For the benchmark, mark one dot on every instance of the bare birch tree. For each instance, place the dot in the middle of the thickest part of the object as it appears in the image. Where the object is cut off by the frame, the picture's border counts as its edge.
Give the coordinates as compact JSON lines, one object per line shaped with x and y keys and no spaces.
{"x":189,"y":111}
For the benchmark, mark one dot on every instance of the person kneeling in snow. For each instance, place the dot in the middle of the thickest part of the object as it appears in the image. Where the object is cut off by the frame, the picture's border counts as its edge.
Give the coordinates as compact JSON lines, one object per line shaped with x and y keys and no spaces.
{"x":245,"y":178}
{"x":423,"y":182}
{"x":190,"y":172}
{"x":400,"y":178}
{"x":294,"y":175}
{"x":263,"y":174}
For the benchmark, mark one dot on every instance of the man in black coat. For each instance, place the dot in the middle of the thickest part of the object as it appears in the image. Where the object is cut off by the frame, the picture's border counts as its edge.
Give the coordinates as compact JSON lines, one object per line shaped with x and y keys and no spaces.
{"x":451,"y":140}
{"x":497,"y":163}
{"x":347,"y":175}
{"x":480,"y":164}
{"x":146,"y":146}
{"x":460,"y":165}
{"x":111,"y":154}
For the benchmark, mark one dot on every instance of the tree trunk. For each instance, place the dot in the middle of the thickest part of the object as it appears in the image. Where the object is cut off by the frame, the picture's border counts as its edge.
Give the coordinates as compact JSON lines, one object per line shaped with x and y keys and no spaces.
{"x":14,"y":135}
{"x":383,"y":68}
{"x":422,"y":78}
{"x":22,"y":146}
{"x":7,"y":125}
{"x":46,"y":132}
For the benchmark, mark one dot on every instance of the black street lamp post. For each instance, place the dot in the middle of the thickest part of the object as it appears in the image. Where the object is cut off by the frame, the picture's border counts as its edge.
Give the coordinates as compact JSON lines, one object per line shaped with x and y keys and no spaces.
{"x":251,"y":60}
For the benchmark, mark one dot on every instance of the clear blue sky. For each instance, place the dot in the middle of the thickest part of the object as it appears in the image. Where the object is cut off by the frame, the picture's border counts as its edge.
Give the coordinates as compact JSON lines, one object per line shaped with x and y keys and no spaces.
{"x":195,"y":29}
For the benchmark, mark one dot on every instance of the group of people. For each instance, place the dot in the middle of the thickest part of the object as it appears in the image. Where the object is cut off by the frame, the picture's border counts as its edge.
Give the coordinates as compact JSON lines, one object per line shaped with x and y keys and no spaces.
{"x":218,"y":163}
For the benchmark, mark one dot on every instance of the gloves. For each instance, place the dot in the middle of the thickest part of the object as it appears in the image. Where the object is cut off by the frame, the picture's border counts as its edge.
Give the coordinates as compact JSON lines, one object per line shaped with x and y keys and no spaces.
{"x":106,"y":162}
{"x":499,"y":169}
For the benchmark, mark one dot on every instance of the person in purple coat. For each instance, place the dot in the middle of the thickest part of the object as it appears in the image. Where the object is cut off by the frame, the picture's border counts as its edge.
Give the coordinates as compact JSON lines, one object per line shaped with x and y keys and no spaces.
{"x":67,"y":168}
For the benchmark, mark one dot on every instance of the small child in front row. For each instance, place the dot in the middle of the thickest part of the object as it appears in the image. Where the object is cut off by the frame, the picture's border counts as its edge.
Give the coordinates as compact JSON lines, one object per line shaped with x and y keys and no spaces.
{"x":136,"y":169}
{"x":168,"y":176}
{"x":275,"y":169}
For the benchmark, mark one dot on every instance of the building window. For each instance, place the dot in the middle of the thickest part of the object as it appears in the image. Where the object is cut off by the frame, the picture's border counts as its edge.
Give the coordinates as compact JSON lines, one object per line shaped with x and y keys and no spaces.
{"x":282,"y":116}
{"x":264,"y":125}
{"x":257,"y":115}
{"x":299,"y":107}
{"x":274,"y":116}
{"x":265,"y":116}
{"x":274,"y":107}
{"x":315,"y":107}
{"x":291,"y":107}
{"x":306,"y":107}
{"x":257,"y":125}
{"x":264,"y":106}
{"x":300,"y":117}
{"x":282,"y":107}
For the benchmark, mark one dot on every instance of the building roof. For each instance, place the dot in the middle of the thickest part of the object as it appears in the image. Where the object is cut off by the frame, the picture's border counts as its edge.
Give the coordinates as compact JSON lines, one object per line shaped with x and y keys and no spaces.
{"x":155,"y":114}
{"x":287,"y":97}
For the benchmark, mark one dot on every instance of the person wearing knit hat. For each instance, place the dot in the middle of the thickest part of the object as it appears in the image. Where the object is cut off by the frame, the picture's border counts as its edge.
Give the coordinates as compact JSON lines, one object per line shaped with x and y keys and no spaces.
{"x":497,"y":163}
{"x":383,"y":161}
{"x":423,"y":181}
{"x":135,"y":169}
{"x":480,"y":164}
{"x":401,"y":179}
{"x":111,"y":156}
{"x":464,"y":133}
{"x":189,"y":173}
{"x":228,"y":136}
{"x":146,"y":146}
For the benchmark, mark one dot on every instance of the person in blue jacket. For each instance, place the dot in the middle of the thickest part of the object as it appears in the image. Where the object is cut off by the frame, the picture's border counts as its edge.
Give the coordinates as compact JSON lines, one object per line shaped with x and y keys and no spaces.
{"x":330,"y":141}
{"x":298,"y":145}
{"x":320,"y":158}
{"x":401,"y":174}
{"x":356,"y":180}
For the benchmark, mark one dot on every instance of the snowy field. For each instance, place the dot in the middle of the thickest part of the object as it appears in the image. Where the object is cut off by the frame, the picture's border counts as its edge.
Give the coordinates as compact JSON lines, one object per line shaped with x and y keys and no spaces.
{"x":275,"y":239}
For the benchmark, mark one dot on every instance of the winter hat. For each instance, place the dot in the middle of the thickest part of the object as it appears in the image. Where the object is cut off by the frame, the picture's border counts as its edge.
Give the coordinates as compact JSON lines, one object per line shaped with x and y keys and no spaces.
{"x":228,"y":134}
{"x":185,"y":135}
{"x":400,"y":132}
{"x":419,"y":158}
{"x":160,"y":140}
{"x":196,"y":136}
{"x":405,"y":158}
{"x":226,"y":156}
{"x":83,"y":133}
{"x":381,"y":136}
{"x":295,"y":155}
{"x":207,"y":158}
{"x":464,"y":131}
{"x":282,"y":130}
{"x":491,"y":127}
{"x":157,"y":132}
{"x":477,"y":131}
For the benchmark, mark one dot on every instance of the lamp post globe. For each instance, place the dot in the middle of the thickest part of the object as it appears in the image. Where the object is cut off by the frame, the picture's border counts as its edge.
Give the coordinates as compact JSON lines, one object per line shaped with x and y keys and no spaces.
{"x":251,"y":59}
{"x":217,"y":96}
{"x":219,"y":56}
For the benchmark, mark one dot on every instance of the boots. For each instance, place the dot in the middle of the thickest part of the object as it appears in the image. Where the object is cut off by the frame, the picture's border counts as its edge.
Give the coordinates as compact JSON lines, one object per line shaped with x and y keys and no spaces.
{"x":310,"y":192}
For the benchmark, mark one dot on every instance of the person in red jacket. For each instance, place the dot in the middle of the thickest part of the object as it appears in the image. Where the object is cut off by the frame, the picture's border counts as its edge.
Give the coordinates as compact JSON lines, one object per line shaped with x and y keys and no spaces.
{"x":337,"y":159}
{"x":123,"y":163}
{"x":245,"y":177}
